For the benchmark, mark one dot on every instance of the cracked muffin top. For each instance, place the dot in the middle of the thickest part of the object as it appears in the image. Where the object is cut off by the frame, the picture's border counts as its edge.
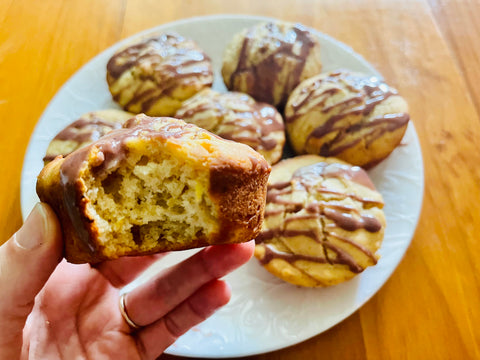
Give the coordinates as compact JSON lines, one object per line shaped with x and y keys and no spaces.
{"x":351,"y":116}
{"x":269,"y":59}
{"x":86,"y":129}
{"x":238,"y":117}
{"x":323,"y":222}
{"x":155,"y":75}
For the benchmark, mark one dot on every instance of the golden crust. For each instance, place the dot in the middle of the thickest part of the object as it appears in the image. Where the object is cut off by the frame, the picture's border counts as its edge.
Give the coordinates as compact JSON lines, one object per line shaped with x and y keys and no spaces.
{"x":238,"y":117}
{"x":155,"y":75}
{"x":251,"y":62}
{"x":351,"y":116}
{"x":85,"y":130}
{"x":323,"y":222}
{"x":237,"y":178}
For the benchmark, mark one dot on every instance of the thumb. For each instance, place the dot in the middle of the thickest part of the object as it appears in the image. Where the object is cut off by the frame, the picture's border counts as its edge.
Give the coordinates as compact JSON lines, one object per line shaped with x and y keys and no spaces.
{"x":27,"y":260}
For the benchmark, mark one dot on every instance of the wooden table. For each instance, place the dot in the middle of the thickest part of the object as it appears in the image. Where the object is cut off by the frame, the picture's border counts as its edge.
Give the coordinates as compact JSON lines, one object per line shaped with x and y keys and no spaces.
{"x":428,"y":49}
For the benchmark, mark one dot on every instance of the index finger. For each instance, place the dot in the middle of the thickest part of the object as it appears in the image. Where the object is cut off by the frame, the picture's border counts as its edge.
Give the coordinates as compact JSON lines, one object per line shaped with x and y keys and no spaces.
{"x":152,"y":300}
{"x":122,"y":271}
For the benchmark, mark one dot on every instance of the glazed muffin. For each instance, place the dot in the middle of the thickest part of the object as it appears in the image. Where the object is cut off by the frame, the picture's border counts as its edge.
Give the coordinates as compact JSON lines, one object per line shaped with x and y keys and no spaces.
{"x":157,"y":74}
{"x":351,"y":116}
{"x":238,"y":117}
{"x":157,"y":184}
{"x":268,"y":60}
{"x":323,"y":222}
{"x":85,"y":130}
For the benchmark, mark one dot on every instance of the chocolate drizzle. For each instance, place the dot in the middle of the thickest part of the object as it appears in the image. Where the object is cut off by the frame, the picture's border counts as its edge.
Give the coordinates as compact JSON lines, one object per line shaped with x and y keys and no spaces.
{"x":368,"y":92}
{"x":259,"y":123}
{"x":50,"y":157}
{"x":271,"y":253}
{"x":168,"y":61}
{"x":311,"y":174}
{"x":84,"y":130}
{"x":276,"y":51}
{"x":242,"y":119}
{"x":343,"y":215}
{"x":350,"y":222}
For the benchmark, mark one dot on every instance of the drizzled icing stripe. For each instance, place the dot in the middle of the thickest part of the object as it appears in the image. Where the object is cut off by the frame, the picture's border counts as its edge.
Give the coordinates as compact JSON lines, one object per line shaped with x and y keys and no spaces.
{"x":84,"y":130}
{"x":167,"y":61}
{"x":344,"y":216}
{"x":263,"y":77}
{"x":271,"y":253}
{"x":368,"y":93}
{"x":252,"y":122}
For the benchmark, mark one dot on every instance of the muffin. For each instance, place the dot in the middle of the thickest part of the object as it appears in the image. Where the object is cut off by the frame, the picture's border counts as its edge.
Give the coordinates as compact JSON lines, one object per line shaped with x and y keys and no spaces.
{"x":323,"y":222}
{"x":157,"y":184}
{"x":238,"y":117}
{"x":154,"y":76}
{"x":268,"y":60}
{"x":85,"y":130}
{"x":351,"y":116}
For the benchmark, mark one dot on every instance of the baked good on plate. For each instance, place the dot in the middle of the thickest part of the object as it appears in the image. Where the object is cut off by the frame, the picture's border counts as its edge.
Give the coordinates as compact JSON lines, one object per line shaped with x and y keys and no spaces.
{"x":323,"y":222}
{"x":155,"y":75}
{"x":238,"y":117}
{"x":351,"y":116}
{"x":268,"y":60}
{"x":157,"y":184}
{"x":85,"y":130}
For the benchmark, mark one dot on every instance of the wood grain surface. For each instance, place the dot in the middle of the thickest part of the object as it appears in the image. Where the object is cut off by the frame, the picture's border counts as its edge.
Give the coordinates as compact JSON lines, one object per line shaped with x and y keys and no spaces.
{"x":428,"y":49}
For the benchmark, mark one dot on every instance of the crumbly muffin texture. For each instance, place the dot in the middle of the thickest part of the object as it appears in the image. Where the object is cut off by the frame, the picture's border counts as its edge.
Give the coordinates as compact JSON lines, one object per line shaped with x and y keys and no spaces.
{"x":238,"y":117}
{"x":268,"y":60}
{"x":158,"y":184}
{"x":351,"y":116}
{"x":132,"y":203}
{"x":323,"y":222}
{"x":85,"y":130}
{"x":154,"y":76}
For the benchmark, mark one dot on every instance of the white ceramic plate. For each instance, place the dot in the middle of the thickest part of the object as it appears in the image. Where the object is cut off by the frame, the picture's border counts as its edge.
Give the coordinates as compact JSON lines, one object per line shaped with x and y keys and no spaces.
{"x":264,"y":313}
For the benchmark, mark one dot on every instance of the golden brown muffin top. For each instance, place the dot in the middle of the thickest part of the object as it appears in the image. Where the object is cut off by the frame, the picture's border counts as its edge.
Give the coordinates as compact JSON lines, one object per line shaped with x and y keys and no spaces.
{"x":235,"y":116}
{"x":349,"y":106}
{"x":86,"y":129}
{"x":310,"y":187}
{"x":269,"y":51}
{"x":169,"y":60}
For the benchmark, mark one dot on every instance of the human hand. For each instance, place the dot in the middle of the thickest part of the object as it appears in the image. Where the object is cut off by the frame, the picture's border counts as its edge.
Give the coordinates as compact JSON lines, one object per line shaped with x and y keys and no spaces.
{"x":72,"y":311}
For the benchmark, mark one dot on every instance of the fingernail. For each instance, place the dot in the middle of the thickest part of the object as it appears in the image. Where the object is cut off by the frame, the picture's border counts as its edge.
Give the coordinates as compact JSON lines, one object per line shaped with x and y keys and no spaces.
{"x":33,"y":232}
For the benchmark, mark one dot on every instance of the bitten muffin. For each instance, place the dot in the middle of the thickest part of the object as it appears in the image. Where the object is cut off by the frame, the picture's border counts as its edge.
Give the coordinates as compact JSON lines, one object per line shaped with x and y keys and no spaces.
{"x":351,"y":116}
{"x":268,"y":60}
{"x":238,"y":117}
{"x":85,"y":130}
{"x":323,"y":222}
{"x":157,"y":184}
{"x":157,"y":74}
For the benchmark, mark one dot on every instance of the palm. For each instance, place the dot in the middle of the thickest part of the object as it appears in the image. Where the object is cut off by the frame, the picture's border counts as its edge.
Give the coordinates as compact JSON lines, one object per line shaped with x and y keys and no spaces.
{"x":76,"y":314}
